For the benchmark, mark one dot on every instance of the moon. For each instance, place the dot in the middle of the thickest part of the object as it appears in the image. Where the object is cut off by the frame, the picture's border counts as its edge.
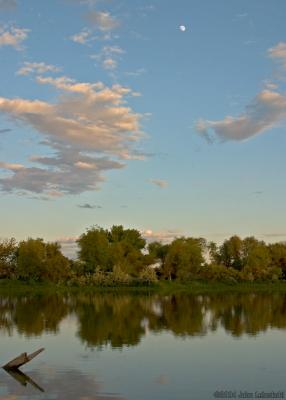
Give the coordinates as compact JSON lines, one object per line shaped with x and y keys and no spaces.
{"x":182,"y":28}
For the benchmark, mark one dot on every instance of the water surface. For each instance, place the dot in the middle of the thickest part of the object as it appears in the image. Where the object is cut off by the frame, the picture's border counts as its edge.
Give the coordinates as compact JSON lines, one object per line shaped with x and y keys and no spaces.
{"x":128,"y":346}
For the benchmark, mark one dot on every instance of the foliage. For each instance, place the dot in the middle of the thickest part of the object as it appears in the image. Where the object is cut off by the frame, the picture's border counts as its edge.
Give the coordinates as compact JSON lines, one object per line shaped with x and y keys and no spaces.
{"x":184,"y":259}
{"x":120,"y":256}
{"x":218,"y":273}
{"x":8,"y":248}
{"x":31,"y":259}
{"x":95,"y":249}
{"x":148,"y":275}
{"x":38,"y":261}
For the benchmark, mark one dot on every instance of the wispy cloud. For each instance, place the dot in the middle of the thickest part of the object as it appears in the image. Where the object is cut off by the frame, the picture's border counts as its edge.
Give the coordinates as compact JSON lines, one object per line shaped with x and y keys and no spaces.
{"x":102,"y":20}
{"x":266,"y":111}
{"x":90,"y":129}
{"x":165,"y":236}
{"x":108,"y":57}
{"x":242,"y":15}
{"x":109,"y":63}
{"x":274,"y":235}
{"x":37,"y":68}
{"x":89,"y":206}
{"x":136,"y":73}
{"x":8,"y":4}
{"x":258,"y":192}
{"x":83,"y":37}
{"x":278,"y":53}
{"x":68,"y":245}
{"x":5,"y":130}
{"x":159,"y":182}
{"x":13,"y":37}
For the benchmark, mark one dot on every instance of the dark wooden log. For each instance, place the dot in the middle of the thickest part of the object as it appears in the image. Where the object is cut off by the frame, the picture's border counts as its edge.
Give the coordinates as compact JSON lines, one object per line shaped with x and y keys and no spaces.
{"x":22,"y":359}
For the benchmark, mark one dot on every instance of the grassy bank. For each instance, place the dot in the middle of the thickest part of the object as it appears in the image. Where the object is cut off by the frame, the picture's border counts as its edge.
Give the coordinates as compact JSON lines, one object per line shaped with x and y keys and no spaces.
{"x":163,"y":287}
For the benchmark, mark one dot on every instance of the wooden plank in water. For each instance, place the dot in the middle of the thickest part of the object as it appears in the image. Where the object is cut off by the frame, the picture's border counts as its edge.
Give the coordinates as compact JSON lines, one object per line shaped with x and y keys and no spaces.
{"x":22,"y":359}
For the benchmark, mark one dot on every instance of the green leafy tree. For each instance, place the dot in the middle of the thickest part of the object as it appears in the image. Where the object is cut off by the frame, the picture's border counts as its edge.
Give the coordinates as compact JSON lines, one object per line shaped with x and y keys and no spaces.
{"x":184,"y":258}
{"x":278,"y":256}
{"x":57,"y":267}
{"x":158,"y":251}
{"x":213,"y":252}
{"x":130,"y":237}
{"x":8,"y":249}
{"x":95,"y":250}
{"x":31,"y":259}
{"x":126,"y":250}
{"x":255,"y":253}
{"x":230,"y":253}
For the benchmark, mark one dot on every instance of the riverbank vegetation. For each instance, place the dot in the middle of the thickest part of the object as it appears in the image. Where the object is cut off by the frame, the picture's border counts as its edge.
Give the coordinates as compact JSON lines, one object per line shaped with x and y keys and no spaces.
{"x":121,"y":257}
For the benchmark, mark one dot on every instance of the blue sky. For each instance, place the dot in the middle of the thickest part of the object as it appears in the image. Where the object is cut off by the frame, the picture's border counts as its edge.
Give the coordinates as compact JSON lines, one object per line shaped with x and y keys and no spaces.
{"x":110,"y":114}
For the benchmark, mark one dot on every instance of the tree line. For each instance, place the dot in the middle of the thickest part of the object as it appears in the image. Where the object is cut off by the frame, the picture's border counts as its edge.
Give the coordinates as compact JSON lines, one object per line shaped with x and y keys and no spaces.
{"x":122,"y":256}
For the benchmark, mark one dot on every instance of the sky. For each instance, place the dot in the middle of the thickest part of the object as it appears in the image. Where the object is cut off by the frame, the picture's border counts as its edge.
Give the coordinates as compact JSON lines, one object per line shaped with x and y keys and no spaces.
{"x":111,"y":113}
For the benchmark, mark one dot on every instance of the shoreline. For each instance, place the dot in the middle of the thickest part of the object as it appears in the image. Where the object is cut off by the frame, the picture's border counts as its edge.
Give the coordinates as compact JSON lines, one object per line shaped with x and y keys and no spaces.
{"x":164,"y":288}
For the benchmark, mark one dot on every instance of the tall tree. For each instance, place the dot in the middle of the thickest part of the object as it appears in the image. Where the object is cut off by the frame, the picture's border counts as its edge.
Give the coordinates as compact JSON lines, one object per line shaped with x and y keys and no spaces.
{"x":57,"y":266}
{"x":8,"y":250}
{"x":184,"y":258}
{"x":94,"y":249}
{"x":230,"y":253}
{"x":31,"y":259}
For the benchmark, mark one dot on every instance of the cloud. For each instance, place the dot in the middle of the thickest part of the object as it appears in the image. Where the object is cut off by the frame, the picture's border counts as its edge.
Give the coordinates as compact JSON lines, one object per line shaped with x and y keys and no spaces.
{"x":108,"y":56}
{"x":68,"y":245}
{"x":13,"y":37}
{"x":159,"y":182}
{"x":10,"y":166}
{"x":89,"y":206}
{"x":90,"y":130}
{"x":269,"y":85}
{"x":274,"y":235}
{"x":109,"y":63}
{"x":242,"y":15}
{"x":108,"y":50}
{"x":102,"y":20}
{"x":83,"y":37}
{"x":8,"y":4}
{"x":5,"y":130}
{"x":37,"y":68}
{"x":136,"y":73}
{"x":278,"y":53}
{"x":266,"y":111}
{"x":258,"y":192}
{"x":166,"y":236}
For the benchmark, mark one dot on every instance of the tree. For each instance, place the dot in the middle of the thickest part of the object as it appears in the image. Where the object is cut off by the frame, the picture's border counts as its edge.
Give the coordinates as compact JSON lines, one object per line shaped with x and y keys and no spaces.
{"x":126,"y":250}
{"x":278,"y":256}
{"x":57,"y":267}
{"x":158,"y":251}
{"x":31,"y":259}
{"x":255,"y":253}
{"x":41,"y":261}
{"x":230,"y":253}
{"x":184,"y":258}
{"x":104,"y":250}
{"x":95,"y":250}
{"x":131,"y":237}
{"x":8,"y":249}
{"x":213,"y":252}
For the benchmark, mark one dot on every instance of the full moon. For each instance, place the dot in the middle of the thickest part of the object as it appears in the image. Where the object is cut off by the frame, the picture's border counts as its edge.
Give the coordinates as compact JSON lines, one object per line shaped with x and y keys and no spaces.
{"x":182,"y":28}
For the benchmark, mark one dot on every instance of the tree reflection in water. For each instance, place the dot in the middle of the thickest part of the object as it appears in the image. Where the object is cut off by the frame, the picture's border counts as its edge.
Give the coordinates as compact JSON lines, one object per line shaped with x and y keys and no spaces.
{"x":117,"y":319}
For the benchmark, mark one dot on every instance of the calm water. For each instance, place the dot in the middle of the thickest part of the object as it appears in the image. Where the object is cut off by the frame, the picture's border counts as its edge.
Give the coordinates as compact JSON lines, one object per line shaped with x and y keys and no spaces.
{"x":122,"y":346}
